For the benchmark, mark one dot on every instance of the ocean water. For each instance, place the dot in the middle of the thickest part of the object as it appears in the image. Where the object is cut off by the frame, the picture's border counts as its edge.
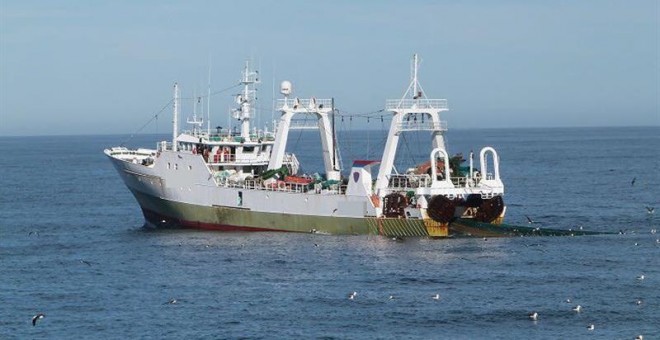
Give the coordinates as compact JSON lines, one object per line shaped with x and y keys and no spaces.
{"x":72,"y":247}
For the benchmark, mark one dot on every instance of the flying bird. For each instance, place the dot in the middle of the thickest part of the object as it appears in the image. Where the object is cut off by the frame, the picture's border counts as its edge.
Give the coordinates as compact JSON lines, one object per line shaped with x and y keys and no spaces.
{"x":37,"y":317}
{"x":529,"y":220}
{"x":650,"y":210}
{"x":633,"y":181}
{"x":352,"y":296}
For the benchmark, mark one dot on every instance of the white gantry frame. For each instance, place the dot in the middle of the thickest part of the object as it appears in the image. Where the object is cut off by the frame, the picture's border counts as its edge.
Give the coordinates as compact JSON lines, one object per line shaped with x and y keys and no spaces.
{"x":416,"y":103}
{"x":321,"y":108}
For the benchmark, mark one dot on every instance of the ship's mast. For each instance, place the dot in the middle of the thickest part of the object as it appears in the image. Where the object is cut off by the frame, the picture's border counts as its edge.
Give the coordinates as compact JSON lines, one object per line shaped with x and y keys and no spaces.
{"x":414,"y":75}
{"x":196,"y":122}
{"x":175,"y":117}
{"x":246,"y":100}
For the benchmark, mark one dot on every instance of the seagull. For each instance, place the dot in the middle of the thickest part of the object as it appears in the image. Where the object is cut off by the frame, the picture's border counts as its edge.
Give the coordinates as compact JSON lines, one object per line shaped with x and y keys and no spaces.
{"x":316,"y":244}
{"x":591,"y":327}
{"x":391,"y":297}
{"x":639,"y":337}
{"x":639,"y":302}
{"x":37,"y":317}
{"x":352,"y":296}
{"x":534,"y":316}
{"x":577,"y":308}
{"x":86,"y":262}
{"x":36,"y":233}
{"x":436,"y":297}
{"x":641,"y":277}
{"x":636,"y":243}
{"x":633,"y":181}
{"x":650,"y":210}
{"x":171,"y":302}
{"x":568,"y":300}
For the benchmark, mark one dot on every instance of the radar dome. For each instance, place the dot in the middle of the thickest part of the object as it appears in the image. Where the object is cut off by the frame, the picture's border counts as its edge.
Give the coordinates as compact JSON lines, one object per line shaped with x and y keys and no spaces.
{"x":286,"y":88}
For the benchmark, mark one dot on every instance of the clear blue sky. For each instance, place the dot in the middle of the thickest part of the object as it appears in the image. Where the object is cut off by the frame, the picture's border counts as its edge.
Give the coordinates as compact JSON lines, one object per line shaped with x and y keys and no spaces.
{"x":92,"y":67}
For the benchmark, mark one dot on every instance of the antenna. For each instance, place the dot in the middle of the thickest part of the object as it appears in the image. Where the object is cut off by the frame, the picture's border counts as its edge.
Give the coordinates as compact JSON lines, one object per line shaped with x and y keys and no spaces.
{"x":208,"y":103}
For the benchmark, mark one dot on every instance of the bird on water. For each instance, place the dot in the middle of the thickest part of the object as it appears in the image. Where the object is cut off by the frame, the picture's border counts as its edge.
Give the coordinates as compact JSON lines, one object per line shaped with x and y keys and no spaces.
{"x":534,"y":316}
{"x":36,"y":318}
{"x":529,"y":220}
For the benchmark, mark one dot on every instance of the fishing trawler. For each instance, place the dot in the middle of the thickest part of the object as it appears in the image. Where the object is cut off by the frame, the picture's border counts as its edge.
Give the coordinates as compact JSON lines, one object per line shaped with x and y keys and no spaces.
{"x":247,"y":181}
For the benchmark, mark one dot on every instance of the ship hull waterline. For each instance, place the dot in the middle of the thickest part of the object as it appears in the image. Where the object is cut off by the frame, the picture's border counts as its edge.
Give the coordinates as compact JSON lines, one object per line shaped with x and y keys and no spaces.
{"x":159,"y":212}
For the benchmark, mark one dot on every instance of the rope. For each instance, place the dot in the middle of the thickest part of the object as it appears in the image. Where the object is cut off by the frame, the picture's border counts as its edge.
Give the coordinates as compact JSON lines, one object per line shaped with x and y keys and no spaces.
{"x":147,"y":123}
{"x":212,"y":93}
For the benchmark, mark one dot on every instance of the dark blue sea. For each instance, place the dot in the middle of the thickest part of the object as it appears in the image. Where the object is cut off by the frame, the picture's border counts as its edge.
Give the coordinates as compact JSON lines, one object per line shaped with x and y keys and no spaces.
{"x":72,"y":246}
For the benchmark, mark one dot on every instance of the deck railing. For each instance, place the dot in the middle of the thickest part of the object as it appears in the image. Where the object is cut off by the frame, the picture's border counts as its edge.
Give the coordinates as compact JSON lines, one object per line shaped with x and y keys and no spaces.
{"x":334,"y":189}
{"x":297,"y":103}
{"x":418,"y":125}
{"x":400,"y":104}
{"x":404,"y":182}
